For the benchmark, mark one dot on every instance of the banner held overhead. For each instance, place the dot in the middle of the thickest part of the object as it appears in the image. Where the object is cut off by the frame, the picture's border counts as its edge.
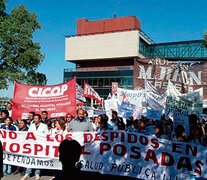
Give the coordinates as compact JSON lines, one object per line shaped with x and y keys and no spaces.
{"x":57,"y":100}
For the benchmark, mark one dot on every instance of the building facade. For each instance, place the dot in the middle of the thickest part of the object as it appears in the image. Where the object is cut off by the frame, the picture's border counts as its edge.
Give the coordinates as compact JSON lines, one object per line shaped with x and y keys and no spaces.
{"x":104,"y":52}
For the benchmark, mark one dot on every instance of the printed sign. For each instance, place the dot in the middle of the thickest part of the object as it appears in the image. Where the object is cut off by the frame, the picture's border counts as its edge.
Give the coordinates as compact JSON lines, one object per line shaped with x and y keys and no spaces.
{"x":154,"y":114}
{"x":114,"y":87}
{"x":109,"y":152}
{"x":57,"y":100}
{"x":186,"y":77}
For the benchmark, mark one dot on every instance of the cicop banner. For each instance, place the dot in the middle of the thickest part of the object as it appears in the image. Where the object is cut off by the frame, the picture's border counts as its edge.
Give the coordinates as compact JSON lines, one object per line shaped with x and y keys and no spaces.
{"x":57,"y":100}
{"x":109,"y":152}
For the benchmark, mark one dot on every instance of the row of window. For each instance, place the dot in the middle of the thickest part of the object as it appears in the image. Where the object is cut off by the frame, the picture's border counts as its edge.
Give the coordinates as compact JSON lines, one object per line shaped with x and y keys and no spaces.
{"x":106,"y":82}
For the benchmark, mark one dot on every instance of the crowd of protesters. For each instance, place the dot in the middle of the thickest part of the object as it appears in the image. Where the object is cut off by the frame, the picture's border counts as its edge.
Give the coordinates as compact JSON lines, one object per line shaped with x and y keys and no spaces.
{"x":159,"y":129}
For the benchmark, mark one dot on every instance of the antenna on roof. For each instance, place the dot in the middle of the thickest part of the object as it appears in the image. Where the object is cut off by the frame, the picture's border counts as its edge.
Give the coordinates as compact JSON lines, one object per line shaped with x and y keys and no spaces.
{"x":114,"y":14}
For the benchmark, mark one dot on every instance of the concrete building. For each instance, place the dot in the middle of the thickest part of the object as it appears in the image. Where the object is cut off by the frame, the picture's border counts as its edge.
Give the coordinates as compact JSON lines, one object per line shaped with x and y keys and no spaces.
{"x":104,"y":52}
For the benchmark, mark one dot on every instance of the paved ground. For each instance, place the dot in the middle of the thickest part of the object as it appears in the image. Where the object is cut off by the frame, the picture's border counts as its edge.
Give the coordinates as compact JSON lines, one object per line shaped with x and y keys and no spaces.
{"x":18,"y":177}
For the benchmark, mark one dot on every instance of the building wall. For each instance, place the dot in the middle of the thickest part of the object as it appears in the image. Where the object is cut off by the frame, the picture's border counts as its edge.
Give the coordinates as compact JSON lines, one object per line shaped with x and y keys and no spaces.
{"x":102,"y":46}
{"x":85,"y":26}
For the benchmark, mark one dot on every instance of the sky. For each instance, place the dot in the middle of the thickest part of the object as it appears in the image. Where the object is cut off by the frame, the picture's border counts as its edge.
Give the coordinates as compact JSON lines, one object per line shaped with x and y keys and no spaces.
{"x":162,"y":20}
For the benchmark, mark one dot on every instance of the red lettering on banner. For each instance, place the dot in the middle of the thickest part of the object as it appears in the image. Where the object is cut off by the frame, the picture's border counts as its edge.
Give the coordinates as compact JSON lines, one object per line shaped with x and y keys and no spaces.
{"x":134,"y":149}
{"x":122,"y":136}
{"x":114,"y":135}
{"x":122,"y":148}
{"x":56,"y":150}
{"x":84,"y":152}
{"x":184,"y":162}
{"x":49,"y":139}
{"x":12,"y":135}
{"x":30,"y":135}
{"x":4,"y":146}
{"x":97,"y":137}
{"x":47,"y":150}
{"x":151,"y":155}
{"x":14,"y":148}
{"x":193,"y":151}
{"x":27,"y":149}
{"x":104,"y":136}
{"x":164,"y":161}
{"x":3,"y":134}
{"x":68,"y":136}
{"x":37,"y":148}
{"x":143,"y":140}
{"x":175,"y":146}
{"x":88,"y":137}
{"x":59,"y":137}
{"x":198,"y":163}
{"x":132,"y":138}
{"x":104,"y":147}
{"x":155,"y":143}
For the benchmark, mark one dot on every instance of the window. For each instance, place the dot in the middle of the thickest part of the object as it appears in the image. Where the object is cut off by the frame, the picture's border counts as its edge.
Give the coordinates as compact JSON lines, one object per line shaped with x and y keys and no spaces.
{"x":107,"y":82}
{"x":95,"y":82}
{"x":101,"y":80}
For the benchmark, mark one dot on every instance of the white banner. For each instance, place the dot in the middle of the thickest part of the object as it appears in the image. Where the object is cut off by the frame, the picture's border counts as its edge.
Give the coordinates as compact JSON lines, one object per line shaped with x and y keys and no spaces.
{"x":109,"y":152}
{"x":191,"y":102}
{"x":135,"y":97}
{"x":154,"y":98}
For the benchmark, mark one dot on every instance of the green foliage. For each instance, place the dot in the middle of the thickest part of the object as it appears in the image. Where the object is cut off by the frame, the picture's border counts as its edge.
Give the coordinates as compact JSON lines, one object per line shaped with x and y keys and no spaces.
{"x":19,"y":55}
{"x":205,"y":39}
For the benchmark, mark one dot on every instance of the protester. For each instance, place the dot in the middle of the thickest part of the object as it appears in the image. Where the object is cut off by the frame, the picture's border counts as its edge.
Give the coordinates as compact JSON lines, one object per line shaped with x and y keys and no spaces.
{"x":141,"y":127}
{"x":8,"y":126}
{"x":23,"y":125}
{"x":117,"y":122}
{"x":38,"y":127}
{"x":104,"y":126}
{"x":69,"y":154}
{"x":30,"y":119}
{"x":196,"y":135}
{"x":44,"y":117}
{"x":1,"y":161}
{"x":9,"y":108}
{"x":69,"y":118}
{"x":180,"y":134}
{"x":159,"y":132}
{"x":85,"y":114}
{"x":80,"y":123}
{"x":129,"y":124}
{"x":59,"y":126}
{"x":4,"y":115}
{"x":95,"y":122}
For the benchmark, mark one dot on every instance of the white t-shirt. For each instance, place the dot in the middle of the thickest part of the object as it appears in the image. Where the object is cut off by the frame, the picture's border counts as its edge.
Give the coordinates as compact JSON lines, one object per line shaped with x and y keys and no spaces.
{"x":42,"y":128}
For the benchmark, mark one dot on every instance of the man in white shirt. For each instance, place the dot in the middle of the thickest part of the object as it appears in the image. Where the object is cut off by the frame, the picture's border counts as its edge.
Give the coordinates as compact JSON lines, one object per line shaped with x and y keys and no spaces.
{"x":39,"y":127}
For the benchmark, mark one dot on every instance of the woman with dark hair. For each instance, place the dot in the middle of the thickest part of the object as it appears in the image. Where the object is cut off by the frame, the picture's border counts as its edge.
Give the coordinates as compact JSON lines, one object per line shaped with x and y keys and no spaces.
{"x":180,"y":134}
{"x":141,"y":127}
{"x":104,"y":126}
{"x":196,"y":135}
{"x":4,"y":115}
{"x":117,"y":122}
{"x":159,"y":132}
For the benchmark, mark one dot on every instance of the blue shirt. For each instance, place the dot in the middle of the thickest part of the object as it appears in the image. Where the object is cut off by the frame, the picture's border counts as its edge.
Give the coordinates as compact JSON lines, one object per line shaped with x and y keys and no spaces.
{"x":11,"y":127}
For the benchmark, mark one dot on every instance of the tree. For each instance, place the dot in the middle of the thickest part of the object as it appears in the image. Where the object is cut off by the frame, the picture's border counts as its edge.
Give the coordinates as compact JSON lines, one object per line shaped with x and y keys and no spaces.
{"x":19,"y":55}
{"x":205,"y":40}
